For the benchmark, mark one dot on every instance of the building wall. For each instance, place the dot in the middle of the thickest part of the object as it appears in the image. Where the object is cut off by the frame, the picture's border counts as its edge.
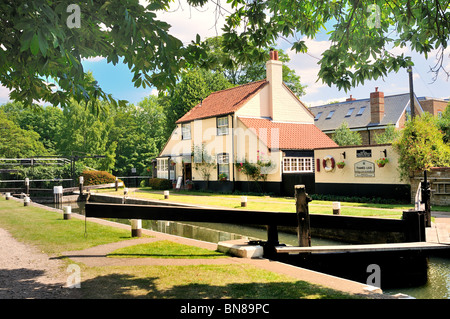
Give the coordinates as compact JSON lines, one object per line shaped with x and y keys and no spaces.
{"x":352,"y":180}
{"x":434,"y":106}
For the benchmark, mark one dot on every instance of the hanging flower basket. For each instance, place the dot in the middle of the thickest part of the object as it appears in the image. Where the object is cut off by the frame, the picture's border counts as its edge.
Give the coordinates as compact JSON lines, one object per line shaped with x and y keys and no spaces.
{"x":340,"y":164}
{"x":381,"y":162}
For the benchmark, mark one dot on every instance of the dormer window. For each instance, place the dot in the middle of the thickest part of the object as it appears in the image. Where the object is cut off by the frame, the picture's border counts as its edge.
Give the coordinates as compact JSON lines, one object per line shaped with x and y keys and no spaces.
{"x":222,"y":125}
{"x":329,"y":115}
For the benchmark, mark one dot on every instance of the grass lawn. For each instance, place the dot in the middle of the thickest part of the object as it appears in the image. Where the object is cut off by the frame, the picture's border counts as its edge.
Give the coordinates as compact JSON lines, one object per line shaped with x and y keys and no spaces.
{"x":165,"y":249}
{"x":53,"y":235}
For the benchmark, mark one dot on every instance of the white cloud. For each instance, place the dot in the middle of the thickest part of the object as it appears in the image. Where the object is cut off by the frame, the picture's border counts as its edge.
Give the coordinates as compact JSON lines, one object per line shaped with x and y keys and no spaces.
{"x":4,"y":94}
{"x":93,"y":59}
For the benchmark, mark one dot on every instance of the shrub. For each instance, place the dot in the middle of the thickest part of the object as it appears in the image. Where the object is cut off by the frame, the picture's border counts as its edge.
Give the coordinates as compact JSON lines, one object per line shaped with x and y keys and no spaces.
{"x":98,"y":178}
{"x":159,"y":183}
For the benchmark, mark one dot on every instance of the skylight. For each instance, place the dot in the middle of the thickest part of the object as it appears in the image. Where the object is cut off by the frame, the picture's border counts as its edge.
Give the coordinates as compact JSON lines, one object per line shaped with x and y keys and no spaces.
{"x":350,"y":111}
{"x":317,"y":116}
{"x":330,"y":115}
{"x":361,"y":110}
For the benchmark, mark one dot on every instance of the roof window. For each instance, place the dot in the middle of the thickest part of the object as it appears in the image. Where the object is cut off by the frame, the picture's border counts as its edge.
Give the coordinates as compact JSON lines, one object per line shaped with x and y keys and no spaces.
{"x":318,"y":116}
{"x":329,"y":115}
{"x":350,"y":111}
{"x":361,"y":111}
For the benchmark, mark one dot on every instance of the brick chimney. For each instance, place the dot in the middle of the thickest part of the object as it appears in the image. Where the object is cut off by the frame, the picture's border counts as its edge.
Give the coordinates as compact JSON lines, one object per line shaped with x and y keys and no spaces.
{"x":376,"y":106}
{"x":274,"y":75}
{"x":351,"y":98}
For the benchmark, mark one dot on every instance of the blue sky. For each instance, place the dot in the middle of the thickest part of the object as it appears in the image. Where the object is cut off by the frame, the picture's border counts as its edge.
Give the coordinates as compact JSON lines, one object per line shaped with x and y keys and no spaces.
{"x":187,"y":22}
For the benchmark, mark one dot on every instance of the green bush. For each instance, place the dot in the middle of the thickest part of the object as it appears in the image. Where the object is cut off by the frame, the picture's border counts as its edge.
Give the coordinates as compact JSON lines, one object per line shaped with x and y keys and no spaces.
{"x":98,"y":178}
{"x":159,"y":183}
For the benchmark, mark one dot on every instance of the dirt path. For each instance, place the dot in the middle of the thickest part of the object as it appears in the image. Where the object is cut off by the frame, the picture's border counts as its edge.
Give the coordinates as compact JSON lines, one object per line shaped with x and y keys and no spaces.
{"x":26,"y":273}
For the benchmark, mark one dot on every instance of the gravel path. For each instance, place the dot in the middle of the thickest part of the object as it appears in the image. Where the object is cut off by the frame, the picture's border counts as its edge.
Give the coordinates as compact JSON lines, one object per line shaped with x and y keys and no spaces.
{"x":26,"y":273}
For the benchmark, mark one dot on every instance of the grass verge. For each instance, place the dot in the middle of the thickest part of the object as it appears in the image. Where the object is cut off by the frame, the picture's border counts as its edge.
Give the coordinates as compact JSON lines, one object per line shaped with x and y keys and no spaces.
{"x":53,"y":235}
{"x":165,"y":249}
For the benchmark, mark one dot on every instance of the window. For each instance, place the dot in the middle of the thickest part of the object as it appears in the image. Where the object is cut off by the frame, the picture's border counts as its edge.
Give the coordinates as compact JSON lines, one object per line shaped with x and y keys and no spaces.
{"x":297,"y":164}
{"x":318,"y":116}
{"x":350,"y":111}
{"x":361,"y":111}
{"x":330,"y":115}
{"x":161,"y":168}
{"x":222,"y":125}
{"x":186,"y":131}
{"x":223,"y":166}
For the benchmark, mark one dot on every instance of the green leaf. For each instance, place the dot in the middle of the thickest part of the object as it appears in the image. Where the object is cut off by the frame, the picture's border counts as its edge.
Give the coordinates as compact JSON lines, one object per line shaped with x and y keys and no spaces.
{"x":34,"y":45}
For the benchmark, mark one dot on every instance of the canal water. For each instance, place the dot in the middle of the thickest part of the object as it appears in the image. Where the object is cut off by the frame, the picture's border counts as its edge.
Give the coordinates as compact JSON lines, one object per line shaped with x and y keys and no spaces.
{"x":437,"y":286}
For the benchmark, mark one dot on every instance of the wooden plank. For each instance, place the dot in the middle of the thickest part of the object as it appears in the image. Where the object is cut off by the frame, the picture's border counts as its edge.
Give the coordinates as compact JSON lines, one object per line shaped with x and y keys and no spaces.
{"x":362,"y":248}
{"x":197,"y":214}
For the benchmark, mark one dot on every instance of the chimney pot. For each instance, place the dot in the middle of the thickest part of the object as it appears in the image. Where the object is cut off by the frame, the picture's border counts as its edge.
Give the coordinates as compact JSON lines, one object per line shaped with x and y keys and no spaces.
{"x":351,"y":98}
{"x":273,"y":54}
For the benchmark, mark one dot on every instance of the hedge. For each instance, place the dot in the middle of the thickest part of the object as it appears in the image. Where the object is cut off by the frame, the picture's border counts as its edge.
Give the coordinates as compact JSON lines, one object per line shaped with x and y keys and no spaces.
{"x":160,"y":183}
{"x":98,"y":178}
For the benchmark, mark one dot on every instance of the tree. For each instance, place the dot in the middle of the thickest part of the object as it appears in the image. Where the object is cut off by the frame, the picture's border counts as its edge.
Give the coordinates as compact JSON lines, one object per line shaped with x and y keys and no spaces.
{"x":18,"y":143}
{"x":43,"y":43}
{"x":421,"y":146}
{"x":195,"y":85}
{"x":389,"y":135}
{"x":244,"y":72}
{"x":361,"y":33}
{"x":343,"y":136}
{"x":443,"y":123}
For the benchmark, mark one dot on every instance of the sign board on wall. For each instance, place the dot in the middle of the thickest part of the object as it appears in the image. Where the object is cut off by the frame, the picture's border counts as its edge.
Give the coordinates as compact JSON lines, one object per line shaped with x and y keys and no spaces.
{"x":363,"y":153}
{"x":364,"y":169}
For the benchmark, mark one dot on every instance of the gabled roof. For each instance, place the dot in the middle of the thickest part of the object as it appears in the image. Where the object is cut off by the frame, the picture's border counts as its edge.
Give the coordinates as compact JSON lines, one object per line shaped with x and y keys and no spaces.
{"x":394,"y":106}
{"x":223,"y":102}
{"x":292,"y":136}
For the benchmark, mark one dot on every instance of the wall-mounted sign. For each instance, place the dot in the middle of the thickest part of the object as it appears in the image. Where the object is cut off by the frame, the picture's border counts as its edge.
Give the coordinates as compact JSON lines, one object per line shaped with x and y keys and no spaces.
{"x":363,"y":153}
{"x":364,"y":169}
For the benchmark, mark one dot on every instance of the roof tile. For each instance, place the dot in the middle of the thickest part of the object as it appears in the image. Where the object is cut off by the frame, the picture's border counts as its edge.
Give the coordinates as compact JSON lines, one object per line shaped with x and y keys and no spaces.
{"x":223,"y":102}
{"x":292,"y":136}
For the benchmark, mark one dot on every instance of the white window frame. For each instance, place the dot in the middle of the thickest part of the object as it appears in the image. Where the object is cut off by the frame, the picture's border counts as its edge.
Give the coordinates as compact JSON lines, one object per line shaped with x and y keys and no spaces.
{"x":186,"y":131}
{"x":162,"y":166}
{"x":223,"y":164}
{"x":298,"y":165}
{"x":222,"y":128}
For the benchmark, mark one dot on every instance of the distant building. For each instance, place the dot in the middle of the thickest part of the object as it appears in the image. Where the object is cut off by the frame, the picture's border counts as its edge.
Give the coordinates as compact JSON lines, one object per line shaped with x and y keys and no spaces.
{"x":372,"y":115}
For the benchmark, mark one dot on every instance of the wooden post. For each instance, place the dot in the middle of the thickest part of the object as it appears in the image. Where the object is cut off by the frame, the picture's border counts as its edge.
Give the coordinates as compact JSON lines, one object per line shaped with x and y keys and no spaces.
{"x":426,"y":198}
{"x":272,"y":235}
{"x":81,"y":184}
{"x":117,"y":184}
{"x":301,"y":203}
{"x":243,"y":201}
{"x":414,"y":225}
{"x":336,"y":208}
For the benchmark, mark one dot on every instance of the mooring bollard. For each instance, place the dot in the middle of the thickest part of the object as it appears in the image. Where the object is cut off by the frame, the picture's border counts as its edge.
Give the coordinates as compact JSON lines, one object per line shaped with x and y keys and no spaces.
{"x":336,"y":208}
{"x":7,"y":196}
{"x":27,"y":186}
{"x":136,"y":228}
{"x":57,"y":194}
{"x":81,"y":184}
{"x":117,"y":184}
{"x":166,"y":194}
{"x":67,"y":212}
{"x":244,"y":201}
{"x":26,"y":201}
{"x":125,"y":191}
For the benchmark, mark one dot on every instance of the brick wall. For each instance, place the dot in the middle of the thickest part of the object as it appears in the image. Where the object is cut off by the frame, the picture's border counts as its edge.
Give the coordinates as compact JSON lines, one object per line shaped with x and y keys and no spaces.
{"x":439,"y":178}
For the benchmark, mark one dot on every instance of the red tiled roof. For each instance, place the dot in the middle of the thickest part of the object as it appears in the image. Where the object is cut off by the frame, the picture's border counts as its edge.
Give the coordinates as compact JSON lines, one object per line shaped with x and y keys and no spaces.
{"x":292,"y":136}
{"x":223,"y":102}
